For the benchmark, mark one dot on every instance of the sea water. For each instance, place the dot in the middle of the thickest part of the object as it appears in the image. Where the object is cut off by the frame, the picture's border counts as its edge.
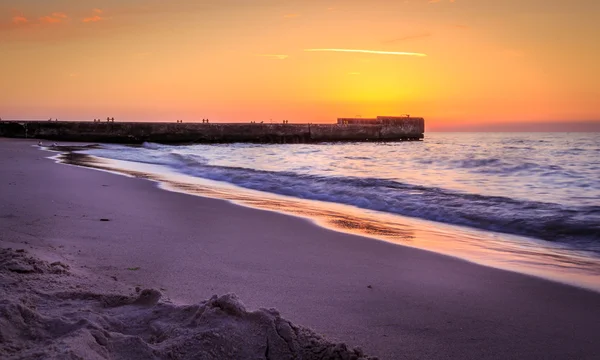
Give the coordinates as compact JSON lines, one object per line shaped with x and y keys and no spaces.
{"x":535,"y":190}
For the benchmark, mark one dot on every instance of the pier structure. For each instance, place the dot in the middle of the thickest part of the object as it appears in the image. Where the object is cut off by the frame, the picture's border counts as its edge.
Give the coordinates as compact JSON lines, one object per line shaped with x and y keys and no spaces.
{"x":345,"y":130}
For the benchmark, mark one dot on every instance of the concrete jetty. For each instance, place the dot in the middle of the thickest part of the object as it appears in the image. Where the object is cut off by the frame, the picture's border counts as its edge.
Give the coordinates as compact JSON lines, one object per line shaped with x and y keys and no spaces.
{"x":405,"y":128}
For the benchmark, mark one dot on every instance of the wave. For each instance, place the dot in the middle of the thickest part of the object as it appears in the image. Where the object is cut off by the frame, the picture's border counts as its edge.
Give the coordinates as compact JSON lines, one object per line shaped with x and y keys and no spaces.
{"x":571,"y":222}
{"x":153,"y":146}
{"x":497,"y":166}
{"x":547,"y":221}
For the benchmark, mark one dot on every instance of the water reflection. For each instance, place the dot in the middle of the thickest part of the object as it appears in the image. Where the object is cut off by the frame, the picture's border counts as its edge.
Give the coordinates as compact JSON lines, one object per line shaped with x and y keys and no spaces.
{"x":530,"y":256}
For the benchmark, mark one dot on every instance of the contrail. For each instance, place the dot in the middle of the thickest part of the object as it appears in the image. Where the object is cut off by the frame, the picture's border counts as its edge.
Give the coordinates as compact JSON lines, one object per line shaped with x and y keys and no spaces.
{"x":370,"y":52}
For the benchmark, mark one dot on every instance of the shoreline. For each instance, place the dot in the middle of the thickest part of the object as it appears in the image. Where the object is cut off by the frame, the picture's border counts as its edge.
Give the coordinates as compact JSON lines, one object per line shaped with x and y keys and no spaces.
{"x":527,"y":256}
{"x":395,"y":302}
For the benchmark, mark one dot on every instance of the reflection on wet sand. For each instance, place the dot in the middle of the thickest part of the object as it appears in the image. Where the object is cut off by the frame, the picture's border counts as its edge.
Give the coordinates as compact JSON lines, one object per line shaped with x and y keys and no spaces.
{"x":534,"y":257}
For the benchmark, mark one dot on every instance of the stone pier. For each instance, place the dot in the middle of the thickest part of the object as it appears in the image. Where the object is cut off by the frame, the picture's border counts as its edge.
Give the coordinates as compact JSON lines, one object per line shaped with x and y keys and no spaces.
{"x":174,"y":133}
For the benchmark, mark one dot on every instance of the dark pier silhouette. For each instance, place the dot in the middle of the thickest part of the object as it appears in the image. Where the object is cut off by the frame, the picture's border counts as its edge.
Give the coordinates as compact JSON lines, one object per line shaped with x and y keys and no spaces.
{"x":375,"y":130}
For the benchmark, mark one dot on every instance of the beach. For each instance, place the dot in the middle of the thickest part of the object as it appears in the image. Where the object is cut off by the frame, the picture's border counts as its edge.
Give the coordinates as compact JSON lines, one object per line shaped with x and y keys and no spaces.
{"x":392,"y":301}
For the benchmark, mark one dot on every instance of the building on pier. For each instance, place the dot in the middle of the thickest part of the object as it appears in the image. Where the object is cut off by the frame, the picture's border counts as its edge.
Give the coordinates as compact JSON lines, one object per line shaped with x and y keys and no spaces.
{"x":380,"y":120}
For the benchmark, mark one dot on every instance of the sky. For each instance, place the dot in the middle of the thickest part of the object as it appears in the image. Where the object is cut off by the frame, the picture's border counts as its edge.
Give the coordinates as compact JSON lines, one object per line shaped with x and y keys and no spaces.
{"x":460,"y":64}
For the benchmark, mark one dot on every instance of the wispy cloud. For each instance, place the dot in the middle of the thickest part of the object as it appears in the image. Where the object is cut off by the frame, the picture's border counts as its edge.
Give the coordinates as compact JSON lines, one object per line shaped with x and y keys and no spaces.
{"x":409,"y":37}
{"x":49,"y":20}
{"x":274,"y":56}
{"x":55,"y":18}
{"x":94,"y":18}
{"x":291,"y":16}
{"x":368,"y":52}
{"x":19,"y":20}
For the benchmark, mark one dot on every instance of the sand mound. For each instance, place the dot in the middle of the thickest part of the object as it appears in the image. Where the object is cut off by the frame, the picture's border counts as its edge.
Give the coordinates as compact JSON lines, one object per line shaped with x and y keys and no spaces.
{"x":37,"y":324}
{"x":17,"y":261}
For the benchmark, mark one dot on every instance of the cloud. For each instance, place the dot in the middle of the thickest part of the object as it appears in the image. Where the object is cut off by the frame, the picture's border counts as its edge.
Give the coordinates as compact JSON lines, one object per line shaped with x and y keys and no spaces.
{"x":437,"y":1}
{"x":409,"y":37}
{"x":50,"y":20}
{"x":369,"y":52}
{"x":19,"y":20}
{"x":94,"y":18}
{"x":274,"y":56}
{"x":55,"y":18}
{"x":291,"y":16}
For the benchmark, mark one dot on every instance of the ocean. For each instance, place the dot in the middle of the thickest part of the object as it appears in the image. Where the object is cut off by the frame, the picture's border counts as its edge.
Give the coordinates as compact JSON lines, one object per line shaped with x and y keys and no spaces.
{"x":527,"y":202}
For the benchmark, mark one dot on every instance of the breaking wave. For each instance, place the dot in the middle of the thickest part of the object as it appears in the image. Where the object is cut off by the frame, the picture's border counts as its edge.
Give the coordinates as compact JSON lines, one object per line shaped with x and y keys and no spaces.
{"x":500,"y":187}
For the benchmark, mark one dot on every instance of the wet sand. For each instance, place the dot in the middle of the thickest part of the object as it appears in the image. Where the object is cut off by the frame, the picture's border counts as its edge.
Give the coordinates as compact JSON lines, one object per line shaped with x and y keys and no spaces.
{"x":394,"y":302}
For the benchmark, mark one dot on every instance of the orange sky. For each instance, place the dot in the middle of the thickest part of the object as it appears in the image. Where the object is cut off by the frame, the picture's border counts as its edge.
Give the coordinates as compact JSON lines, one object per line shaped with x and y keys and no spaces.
{"x":487,"y":61}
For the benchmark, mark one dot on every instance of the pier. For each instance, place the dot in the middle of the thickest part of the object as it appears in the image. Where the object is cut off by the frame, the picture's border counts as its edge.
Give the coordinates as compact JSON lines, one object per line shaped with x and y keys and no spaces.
{"x":373,"y":130}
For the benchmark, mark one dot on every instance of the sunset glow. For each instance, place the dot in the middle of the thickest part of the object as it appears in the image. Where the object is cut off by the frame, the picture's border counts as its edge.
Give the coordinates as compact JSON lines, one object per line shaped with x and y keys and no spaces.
{"x":460,"y":64}
{"x":367,"y":52}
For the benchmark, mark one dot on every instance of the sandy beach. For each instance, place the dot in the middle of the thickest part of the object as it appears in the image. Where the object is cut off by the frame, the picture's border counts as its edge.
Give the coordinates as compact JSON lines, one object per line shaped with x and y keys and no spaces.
{"x":110,"y":234}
